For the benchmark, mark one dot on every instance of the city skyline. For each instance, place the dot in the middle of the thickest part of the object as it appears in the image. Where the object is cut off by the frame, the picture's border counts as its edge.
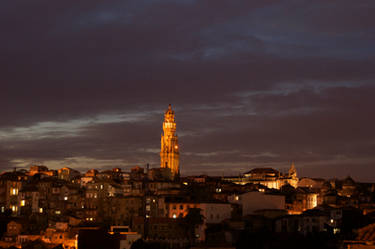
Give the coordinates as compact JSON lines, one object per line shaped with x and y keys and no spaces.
{"x":253,"y":84}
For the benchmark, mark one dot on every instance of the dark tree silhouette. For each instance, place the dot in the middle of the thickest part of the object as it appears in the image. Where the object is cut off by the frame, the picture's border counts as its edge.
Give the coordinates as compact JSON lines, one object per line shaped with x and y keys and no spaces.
{"x":192,"y":220}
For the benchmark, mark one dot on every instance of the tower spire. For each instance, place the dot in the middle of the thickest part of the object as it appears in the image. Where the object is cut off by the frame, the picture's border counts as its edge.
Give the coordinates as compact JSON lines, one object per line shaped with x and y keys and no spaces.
{"x":169,"y":152}
{"x":292,"y":170}
{"x":293,"y":179}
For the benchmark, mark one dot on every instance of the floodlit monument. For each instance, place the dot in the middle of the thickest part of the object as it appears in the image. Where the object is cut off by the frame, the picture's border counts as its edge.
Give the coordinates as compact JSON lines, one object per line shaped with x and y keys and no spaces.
{"x":169,"y":153}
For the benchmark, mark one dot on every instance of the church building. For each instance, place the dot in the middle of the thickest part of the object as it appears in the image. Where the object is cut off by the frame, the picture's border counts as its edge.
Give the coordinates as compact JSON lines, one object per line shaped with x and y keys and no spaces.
{"x":269,"y":177}
{"x":272,"y":178}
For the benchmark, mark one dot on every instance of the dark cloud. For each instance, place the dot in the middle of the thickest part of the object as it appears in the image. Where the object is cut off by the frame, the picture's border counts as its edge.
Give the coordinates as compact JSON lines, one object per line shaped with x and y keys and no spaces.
{"x":261,"y":83}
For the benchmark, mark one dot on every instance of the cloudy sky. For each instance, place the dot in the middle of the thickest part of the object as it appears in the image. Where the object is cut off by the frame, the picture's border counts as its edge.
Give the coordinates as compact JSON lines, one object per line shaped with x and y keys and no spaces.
{"x":85,"y":83}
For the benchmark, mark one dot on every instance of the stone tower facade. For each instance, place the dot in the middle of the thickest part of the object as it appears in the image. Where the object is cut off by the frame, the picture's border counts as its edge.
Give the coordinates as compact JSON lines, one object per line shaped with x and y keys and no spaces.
{"x":169,"y":153}
{"x":292,"y":174}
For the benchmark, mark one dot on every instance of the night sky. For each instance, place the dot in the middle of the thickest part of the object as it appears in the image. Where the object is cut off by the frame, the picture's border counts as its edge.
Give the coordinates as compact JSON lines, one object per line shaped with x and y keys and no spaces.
{"x":85,"y":83}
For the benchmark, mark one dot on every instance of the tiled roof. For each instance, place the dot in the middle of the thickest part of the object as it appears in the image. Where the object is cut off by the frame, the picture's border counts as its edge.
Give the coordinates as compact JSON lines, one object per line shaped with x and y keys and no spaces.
{"x":367,"y":233}
{"x":262,"y":170}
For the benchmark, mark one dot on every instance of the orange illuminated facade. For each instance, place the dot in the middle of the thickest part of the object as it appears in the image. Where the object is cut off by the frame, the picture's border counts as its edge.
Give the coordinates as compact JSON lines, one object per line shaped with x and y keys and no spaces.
{"x":169,"y":152}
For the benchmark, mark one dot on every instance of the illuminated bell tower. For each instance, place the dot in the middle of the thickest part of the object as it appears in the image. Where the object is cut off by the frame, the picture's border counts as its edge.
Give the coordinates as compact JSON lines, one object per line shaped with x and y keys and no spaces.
{"x":169,"y":153}
{"x":292,"y":174}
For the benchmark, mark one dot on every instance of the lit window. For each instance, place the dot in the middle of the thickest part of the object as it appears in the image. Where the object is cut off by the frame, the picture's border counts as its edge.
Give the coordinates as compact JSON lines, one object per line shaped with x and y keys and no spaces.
{"x":57,"y":212}
{"x":14,"y":208}
{"x":14,"y":191}
{"x":2,"y":209}
{"x":22,"y":203}
{"x":40,"y":210}
{"x":101,"y":186}
{"x":236,"y":197}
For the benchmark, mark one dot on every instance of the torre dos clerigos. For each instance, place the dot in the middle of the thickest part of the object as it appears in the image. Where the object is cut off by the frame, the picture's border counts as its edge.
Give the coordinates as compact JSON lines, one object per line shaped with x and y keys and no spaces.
{"x":169,"y":153}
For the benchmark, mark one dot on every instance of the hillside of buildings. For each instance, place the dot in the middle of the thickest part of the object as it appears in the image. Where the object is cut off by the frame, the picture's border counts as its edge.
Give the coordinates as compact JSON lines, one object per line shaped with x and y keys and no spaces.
{"x":148,"y":208}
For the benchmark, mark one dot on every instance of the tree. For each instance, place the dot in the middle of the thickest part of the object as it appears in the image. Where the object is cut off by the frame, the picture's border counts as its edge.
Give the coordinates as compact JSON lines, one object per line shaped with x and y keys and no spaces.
{"x":193,"y":219}
{"x":139,"y":244}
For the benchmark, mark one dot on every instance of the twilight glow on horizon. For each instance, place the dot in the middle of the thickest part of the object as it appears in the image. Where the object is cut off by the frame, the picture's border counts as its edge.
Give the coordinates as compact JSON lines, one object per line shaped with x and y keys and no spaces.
{"x":85,"y":84}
